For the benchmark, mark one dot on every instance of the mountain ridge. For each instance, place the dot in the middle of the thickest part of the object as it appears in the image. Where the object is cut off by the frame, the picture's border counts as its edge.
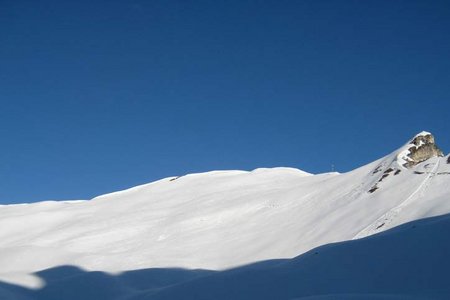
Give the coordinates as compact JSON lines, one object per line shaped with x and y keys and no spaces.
{"x":199,"y":220}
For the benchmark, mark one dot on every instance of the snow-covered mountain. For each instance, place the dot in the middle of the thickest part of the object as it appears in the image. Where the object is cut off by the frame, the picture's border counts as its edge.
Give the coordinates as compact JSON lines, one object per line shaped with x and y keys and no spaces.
{"x":224,"y":219}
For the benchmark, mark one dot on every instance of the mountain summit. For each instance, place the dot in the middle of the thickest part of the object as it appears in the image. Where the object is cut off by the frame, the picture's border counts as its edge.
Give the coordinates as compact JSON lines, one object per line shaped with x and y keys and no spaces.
{"x":421,"y":148}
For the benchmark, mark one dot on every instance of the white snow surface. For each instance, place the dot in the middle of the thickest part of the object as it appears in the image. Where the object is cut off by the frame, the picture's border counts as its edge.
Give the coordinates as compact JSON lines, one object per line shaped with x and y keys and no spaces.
{"x":217,"y":220}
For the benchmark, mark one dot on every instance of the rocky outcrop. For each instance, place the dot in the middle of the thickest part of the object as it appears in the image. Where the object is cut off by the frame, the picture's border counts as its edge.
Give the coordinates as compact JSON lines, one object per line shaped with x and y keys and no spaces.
{"x":422,"y":148}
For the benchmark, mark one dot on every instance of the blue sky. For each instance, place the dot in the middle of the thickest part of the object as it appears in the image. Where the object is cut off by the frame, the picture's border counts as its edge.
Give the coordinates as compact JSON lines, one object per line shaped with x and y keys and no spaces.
{"x":98,"y":96}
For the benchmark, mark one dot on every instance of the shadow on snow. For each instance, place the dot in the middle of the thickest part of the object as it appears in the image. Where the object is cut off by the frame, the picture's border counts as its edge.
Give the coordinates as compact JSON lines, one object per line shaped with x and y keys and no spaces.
{"x":411,"y":261}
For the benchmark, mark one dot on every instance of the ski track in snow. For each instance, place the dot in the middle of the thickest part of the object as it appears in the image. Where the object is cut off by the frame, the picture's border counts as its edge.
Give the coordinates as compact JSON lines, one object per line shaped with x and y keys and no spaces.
{"x":390,"y":215}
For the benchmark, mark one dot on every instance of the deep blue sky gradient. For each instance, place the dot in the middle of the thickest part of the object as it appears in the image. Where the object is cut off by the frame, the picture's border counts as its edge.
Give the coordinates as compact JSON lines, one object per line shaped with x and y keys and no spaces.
{"x":98,"y":96}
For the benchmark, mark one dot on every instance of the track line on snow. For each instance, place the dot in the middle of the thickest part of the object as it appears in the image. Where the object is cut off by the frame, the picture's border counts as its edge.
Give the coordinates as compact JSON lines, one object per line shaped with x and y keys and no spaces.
{"x":387,"y":217}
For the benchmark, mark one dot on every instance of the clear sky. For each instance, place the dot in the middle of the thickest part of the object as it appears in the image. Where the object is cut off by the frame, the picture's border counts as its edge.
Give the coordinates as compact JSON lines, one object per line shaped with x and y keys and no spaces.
{"x":98,"y":96}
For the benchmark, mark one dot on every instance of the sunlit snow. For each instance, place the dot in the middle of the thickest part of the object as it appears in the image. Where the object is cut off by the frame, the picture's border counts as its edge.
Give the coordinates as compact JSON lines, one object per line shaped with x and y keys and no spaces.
{"x":218,"y":220}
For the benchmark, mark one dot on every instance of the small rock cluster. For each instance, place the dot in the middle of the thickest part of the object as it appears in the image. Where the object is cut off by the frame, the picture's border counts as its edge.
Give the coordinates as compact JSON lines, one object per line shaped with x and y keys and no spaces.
{"x":385,"y":174}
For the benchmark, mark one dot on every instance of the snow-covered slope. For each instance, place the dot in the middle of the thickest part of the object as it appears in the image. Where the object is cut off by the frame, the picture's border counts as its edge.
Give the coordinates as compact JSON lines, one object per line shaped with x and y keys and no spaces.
{"x":409,"y":262}
{"x":406,"y":263}
{"x":222,"y":219}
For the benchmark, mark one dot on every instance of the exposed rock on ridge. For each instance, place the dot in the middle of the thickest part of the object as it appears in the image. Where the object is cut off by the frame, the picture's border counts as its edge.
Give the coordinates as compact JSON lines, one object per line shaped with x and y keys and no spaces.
{"x":419,"y":149}
{"x":422,"y":147}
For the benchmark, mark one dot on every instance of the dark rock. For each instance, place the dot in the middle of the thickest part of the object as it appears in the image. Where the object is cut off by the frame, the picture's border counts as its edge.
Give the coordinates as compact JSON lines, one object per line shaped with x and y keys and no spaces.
{"x":383,"y":177}
{"x":378,"y":169}
{"x":373,"y":189}
{"x":388,"y":170}
{"x":379,"y":226}
{"x":175,"y":178}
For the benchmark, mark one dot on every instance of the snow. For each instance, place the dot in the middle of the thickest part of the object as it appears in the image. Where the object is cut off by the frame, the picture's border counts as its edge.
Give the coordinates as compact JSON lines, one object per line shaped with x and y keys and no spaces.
{"x":408,"y":262}
{"x":422,"y":133}
{"x":217,"y":221}
{"x":403,"y":154}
